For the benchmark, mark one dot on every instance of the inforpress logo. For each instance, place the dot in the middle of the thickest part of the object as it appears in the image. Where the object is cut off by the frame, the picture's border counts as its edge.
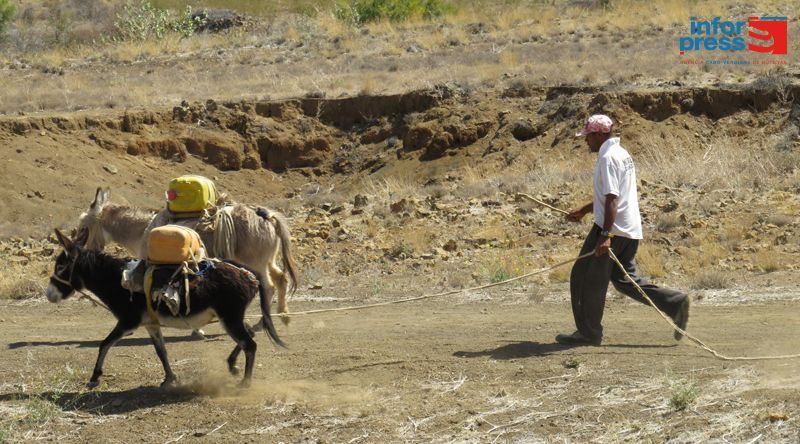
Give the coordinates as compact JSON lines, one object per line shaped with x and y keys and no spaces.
{"x":765,"y":29}
{"x":768,"y":35}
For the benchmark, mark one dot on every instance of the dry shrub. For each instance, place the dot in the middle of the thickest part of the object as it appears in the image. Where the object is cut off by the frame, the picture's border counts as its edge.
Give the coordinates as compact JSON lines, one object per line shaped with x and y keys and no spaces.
{"x":767,"y":261}
{"x":711,"y":279}
{"x":650,"y":261}
{"x":389,"y":189}
{"x":731,"y":236}
{"x":684,"y":394}
{"x":480,"y":189}
{"x":667,"y":222}
{"x":560,"y":274}
{"x":499,"y":266}
{"x":702,"y":255}
{"x":780,"y":220}
{"x":476,"y":183}
{"x":24,"y":281}
{"x":456,"y":276}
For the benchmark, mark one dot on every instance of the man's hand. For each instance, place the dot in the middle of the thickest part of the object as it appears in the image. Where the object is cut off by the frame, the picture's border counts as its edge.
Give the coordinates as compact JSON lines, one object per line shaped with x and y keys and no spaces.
{"x":603,"y":245}
{"x":576,"y":215}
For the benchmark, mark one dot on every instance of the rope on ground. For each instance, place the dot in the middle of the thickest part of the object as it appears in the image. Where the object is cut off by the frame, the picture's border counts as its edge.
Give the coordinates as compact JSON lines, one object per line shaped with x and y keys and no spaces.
{"x":692,"y":338}
{"x":428,"y":296}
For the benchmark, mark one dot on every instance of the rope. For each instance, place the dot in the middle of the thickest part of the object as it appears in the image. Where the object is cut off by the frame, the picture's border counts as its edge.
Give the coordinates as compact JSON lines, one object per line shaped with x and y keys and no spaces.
{"x":695,"y":340}
{"x":419,"y":298}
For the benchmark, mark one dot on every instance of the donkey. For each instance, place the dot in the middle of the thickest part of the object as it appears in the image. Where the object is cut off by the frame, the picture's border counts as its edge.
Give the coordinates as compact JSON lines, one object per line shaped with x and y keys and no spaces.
{"x":256,"y":238}
{"x":224,"y":291}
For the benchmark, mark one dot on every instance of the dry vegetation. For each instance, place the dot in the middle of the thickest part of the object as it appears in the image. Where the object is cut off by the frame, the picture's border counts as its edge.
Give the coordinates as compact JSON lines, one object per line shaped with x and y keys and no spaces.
{"x":51,"y":47}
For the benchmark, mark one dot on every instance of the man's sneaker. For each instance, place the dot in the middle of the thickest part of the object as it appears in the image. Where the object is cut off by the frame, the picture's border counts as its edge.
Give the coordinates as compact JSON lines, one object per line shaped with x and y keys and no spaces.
{"x":577,"y":339}
{"x":681,"y":318}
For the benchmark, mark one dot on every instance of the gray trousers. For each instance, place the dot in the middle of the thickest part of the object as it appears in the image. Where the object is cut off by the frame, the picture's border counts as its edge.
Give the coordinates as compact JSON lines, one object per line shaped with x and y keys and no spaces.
{"x":588,"y":284}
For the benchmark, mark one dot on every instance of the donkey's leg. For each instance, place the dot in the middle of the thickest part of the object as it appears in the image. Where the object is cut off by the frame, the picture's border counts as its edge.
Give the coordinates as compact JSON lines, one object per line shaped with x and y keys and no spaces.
{"x":232,"y":368}
{"x":240,"y":334}
{"x":117,"y":332}
{"x":281,"y":283}
{"x":161,"y":351}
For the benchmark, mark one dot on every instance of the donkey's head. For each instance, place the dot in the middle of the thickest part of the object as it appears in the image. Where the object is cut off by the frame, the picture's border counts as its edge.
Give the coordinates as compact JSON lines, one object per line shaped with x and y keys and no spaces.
{"x":63,"y":281}
{"x":91,"y":222}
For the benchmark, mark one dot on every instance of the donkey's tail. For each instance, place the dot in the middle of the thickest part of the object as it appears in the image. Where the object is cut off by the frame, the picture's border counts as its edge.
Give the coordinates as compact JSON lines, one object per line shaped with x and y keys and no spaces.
{"x":282,"y":227}
{"x":266,"y":319}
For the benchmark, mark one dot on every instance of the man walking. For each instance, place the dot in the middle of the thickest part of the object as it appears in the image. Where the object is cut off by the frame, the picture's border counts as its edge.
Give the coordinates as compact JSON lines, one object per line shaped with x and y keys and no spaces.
{"x":618,"y":226}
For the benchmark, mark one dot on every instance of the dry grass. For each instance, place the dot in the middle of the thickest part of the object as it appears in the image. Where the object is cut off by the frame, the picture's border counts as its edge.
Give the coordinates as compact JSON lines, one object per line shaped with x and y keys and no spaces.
{"x":704,"y":253}
{"x":389,"y":189}
{"x":431,"y":40}
{"x":499,"y":266}
{"x":560,"y":274}
{"x":24,"y":281}
{"x":711,"y":279}
{"x":768,"y":261}
{"x":723,"y":162}
{"x":667,"y":222}
{"x":651,"y":261}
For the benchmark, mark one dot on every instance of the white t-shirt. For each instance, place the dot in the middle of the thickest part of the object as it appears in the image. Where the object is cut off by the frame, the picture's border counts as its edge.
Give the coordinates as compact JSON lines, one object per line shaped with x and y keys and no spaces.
{"x":615,"y":174}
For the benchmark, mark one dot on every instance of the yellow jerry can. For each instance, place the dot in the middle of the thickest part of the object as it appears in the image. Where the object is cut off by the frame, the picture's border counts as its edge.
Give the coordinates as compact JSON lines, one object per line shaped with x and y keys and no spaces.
{"x":191,"y":194}
{"x":173,"y":244}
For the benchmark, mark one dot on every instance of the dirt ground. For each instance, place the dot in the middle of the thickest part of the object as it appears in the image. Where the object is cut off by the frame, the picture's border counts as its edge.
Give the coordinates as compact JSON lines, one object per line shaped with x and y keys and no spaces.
{"x":479,"y":367}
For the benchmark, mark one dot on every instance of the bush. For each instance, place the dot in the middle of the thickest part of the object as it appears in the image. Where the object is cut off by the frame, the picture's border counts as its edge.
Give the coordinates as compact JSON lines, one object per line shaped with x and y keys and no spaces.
{"x":683,"y":395}
{"x":711,"y":279}
{"x":143,"y":21}
{"x":359,"y":12}
{"x":7,"y":11}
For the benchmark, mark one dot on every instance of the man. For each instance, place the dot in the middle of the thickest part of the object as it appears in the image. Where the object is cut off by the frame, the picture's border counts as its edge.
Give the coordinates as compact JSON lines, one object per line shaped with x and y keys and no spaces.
{"x":618,"y":226}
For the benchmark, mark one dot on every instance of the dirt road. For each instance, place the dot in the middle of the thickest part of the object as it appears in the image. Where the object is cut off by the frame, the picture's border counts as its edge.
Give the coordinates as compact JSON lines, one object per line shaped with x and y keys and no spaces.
{"x":454,"y":369}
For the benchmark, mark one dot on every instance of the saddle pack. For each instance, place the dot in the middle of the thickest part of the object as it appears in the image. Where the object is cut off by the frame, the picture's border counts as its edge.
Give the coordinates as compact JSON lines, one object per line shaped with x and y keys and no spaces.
{"x":174,"y":254}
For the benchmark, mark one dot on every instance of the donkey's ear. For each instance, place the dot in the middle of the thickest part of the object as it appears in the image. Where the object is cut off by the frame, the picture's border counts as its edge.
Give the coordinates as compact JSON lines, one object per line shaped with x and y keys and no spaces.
{"x":100,"y":200}
{"x":64,"y":241}
{"x":96,"y":196}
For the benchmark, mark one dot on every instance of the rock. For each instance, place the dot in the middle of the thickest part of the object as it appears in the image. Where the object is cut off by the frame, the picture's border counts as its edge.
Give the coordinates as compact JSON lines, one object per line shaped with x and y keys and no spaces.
{"x":360,"y":201}
{"x":400,"y":206}
{"x":450,"y":246}
{"x":524,"y":130}
{"x":111,"y":169}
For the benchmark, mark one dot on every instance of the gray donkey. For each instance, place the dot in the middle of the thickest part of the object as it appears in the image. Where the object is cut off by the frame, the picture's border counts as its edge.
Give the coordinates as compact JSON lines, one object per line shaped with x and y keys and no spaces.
{"x":251,"y":236}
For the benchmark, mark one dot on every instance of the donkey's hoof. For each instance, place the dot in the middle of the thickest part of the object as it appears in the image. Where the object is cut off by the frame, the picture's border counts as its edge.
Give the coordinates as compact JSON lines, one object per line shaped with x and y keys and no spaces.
{"x":286,"y":320}
{"x":234,"y":370}
{"x":244,"y":384}
{"x":169,"y":382}
{"x":92,"y":384}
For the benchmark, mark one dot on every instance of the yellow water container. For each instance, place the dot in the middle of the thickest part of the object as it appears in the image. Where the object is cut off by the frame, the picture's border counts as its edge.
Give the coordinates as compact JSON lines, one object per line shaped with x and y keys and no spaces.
{"x":191,"y":194}
{"x":173,"y":244}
